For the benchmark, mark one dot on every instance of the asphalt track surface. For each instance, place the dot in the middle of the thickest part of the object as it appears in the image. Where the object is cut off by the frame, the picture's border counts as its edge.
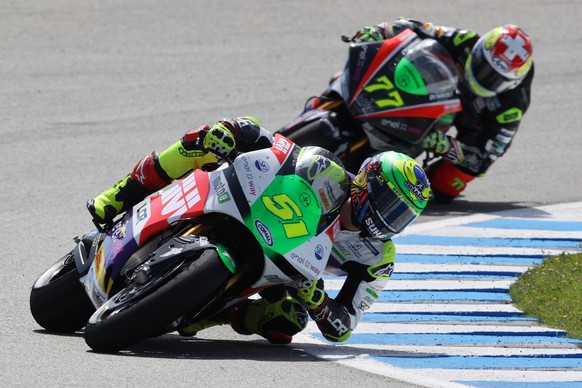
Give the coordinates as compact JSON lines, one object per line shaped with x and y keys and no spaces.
{"x":87,"y":88}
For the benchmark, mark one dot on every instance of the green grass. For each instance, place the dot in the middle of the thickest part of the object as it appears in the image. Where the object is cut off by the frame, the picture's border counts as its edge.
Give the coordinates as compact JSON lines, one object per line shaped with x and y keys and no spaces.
{"x":552,"y":292}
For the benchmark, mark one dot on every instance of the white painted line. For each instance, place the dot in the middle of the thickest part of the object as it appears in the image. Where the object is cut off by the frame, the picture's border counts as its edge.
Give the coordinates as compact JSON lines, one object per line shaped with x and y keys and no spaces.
{"x":461,"y":231}
{"x":457,"y":284}
{"x":431,"y":267}
{"x":441,"y":307}
{"x":518,"y":375}
{"x":345,"y":356}
{"x":462,"y":350}
{"x":456,"y":250}
{"x":437,"y":328}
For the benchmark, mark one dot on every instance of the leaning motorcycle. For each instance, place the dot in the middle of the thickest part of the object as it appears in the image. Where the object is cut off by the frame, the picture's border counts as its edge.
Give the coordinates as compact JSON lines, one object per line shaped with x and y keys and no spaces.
{"x":389,"y":97}
{"x":198,"y":247}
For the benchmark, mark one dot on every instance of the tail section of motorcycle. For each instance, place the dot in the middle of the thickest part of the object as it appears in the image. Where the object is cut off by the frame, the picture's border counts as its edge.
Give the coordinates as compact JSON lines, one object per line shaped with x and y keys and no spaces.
{"x":329,"y":125}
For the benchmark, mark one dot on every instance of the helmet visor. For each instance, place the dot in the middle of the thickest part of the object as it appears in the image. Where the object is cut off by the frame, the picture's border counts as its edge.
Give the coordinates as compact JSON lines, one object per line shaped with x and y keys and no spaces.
{"x":390,"y":215}
{"x":489,"y":81}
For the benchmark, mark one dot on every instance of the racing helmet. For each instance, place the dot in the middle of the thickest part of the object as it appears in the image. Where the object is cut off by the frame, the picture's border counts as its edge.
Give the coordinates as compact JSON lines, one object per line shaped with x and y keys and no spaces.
{"x":388,"y":193}
{"x":499,"y":61}
{"x":327,"y":176}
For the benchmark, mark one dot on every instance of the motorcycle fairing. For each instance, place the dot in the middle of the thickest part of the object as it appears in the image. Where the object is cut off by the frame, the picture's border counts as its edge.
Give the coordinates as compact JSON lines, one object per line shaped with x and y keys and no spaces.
{"x":185,"y":198}
{"x":376,"y":88}
{"x":372,"y":63}
{"x":307,"y":260}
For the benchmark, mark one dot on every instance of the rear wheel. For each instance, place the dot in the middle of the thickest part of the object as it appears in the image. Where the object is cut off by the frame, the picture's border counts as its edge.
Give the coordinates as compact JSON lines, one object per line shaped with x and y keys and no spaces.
{"x":140,"y":311}
{"x":58,"y":301}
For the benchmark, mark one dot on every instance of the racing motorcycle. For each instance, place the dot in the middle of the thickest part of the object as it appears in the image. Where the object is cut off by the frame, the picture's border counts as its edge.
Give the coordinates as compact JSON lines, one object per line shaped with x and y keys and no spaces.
{"x":194,"y":249}
{"x":389,"y":97}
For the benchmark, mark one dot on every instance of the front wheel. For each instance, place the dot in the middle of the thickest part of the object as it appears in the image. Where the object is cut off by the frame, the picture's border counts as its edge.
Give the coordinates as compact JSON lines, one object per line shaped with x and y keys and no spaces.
{"x":140,"y":311}
{"x":58,"y":301}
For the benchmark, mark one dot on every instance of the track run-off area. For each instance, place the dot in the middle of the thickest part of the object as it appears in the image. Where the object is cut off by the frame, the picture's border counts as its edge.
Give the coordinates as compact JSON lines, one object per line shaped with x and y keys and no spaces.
{"x":446,"y":318}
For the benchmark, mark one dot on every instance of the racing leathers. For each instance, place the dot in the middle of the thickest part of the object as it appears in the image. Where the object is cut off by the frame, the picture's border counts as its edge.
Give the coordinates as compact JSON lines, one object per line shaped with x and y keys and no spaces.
{"x":368,"y":263}
{"x":281,"y":313}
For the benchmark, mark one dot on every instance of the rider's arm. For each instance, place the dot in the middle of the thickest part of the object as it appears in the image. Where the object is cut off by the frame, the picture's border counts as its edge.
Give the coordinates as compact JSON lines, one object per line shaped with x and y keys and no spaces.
{"x":338,"y":317}
{"x":390,"y":29}
{"x":488,"y":137}
{"x":184,"y":156}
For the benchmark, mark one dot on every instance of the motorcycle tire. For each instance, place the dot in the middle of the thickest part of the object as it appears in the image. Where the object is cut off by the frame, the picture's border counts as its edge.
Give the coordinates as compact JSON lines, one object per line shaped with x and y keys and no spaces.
{"x":58,"y":301}
{"x":141,"y":311}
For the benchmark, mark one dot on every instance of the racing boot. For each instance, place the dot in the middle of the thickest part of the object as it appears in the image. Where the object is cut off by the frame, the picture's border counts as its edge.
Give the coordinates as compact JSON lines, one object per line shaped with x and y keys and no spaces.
{"x":276,"y":321}
{"x":147,"y":177}
{"x":116,"y":200}
{"x":447,"y":181}
{"x":219,"y":319}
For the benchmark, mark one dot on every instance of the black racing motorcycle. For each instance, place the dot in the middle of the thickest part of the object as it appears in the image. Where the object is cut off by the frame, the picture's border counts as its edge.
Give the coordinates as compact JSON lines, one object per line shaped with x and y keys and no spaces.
{"x":389,"y":97}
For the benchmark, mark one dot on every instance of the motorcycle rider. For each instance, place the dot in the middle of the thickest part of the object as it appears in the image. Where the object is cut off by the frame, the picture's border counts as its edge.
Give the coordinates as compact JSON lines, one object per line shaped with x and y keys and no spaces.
{"x":496,"y":75}
{"x":389,"y":192}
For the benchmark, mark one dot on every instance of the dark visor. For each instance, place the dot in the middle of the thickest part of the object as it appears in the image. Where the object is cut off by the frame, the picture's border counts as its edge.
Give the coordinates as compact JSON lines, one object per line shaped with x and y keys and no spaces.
{"x":487,"y":76}
{"x":392,"y":213}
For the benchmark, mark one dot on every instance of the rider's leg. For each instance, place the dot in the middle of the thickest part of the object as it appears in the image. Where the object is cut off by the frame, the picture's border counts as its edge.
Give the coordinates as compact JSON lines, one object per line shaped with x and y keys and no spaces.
{"x":447,"y":181}
{"x":278,"y":316}
{"x":150,"y":174}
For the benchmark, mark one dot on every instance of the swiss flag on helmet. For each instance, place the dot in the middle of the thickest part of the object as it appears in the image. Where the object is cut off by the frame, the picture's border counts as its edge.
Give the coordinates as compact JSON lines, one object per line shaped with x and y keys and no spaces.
{"x":512,"y":49}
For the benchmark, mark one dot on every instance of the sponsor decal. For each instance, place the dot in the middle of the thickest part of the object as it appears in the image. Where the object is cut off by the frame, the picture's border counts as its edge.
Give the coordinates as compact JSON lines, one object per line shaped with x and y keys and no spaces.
{"x":319,"y":252}
{"x":319,"y":165}
{"x":182,"y":197}
{"x":441,"y":95}
{"x":323,"y":198}
{"x":371,"y":227}
{"x":142,"y":213}
{"x":333,"y":231}
{"x":282,"y":145}
{"x":119,"y":231}
{"x":261,"y":165}
{"x":393,"y":124}
{"x":264,"y":232}
{"x":190,"y":154}
{"x":361,"y":63}
{"x":249,"y":176}
{"x":220,"y":189}
{"x":370,"y":246}
{"x":306,"y":263}
{"x":363,"y":306}
{"x":421,"y":184}
{"x":305,"y":199}
{"x":510,"y":116}
{"x":97,"y":296}
{"x":354,"y":248}
{"x":338,"y":325}
{"x":252,"y":188}
{"x":383,"y":271}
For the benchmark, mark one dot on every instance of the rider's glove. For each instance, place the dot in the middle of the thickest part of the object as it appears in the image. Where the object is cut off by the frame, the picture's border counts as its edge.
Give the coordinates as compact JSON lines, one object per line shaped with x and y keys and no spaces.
{"x":218,"y":139}
{"x":368,"y":34}
{"x":313,"y":294}
{"x":443,"y":145}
